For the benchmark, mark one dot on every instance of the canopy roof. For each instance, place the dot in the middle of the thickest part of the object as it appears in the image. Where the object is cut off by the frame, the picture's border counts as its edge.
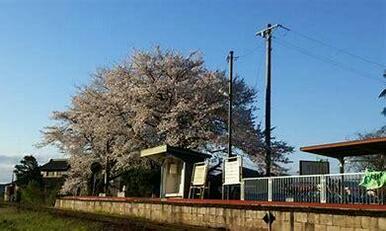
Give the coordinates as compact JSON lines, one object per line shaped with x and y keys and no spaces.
{"x":349,"y":148}
{"x":163,"y":151}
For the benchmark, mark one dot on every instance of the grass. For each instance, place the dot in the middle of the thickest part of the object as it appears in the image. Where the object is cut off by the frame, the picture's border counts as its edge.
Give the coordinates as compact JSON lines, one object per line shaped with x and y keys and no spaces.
{"x":13,"y":219}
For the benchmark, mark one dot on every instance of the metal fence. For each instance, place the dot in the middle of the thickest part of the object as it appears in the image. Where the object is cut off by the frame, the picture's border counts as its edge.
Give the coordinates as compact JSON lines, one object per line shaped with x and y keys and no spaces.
{"x":330,"y":188}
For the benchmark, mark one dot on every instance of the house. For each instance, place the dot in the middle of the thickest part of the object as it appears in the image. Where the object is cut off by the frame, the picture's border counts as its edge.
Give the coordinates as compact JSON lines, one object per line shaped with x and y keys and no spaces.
{"x":2,"y":187}
{"x":54,"y":173}
{"x":55,"y":168}
{"x":8,"y":192}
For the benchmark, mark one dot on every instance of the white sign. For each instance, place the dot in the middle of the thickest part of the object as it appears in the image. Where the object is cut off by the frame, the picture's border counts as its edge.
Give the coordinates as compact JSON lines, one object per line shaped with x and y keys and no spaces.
{"x":232,"y":171}
{"x":121,"y":194}
{"x":173,"y":168}
{"x":199,"y":176}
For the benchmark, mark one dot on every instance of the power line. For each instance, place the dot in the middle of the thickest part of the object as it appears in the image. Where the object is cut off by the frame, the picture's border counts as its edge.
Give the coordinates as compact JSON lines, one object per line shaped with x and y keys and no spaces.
{"x":260,"y":69}
{"x":249,"y":52}
{"x":367,"y":60}
{"x":325,"y":59}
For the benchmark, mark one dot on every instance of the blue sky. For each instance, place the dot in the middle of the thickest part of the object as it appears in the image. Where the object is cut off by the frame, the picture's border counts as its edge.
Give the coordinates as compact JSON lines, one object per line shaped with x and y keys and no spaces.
{"x":49,"y":47}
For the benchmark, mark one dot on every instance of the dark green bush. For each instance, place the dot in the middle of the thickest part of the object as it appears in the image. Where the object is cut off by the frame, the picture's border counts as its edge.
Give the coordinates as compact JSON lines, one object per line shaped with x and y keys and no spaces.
{"x":142,"y":182}
{"x":32,"y":194}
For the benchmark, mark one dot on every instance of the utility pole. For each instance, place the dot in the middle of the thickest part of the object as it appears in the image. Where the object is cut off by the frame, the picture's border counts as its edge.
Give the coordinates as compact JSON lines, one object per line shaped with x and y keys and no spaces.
{"x":267,"y":35}
{"x":230,"y":101}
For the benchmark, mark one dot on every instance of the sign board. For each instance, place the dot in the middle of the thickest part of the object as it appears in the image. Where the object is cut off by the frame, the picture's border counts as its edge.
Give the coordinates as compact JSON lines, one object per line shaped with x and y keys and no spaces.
{"x":200,"y":172}
{"x":314,"y":167}
{"x":232,"y":171}
{"x":269,"y":218}
{"x":121,"y":194}
{"x":173,"y":168}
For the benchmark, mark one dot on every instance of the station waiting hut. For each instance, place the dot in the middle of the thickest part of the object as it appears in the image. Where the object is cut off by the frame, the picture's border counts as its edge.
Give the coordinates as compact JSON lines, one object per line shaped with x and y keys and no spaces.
{"x":176,"y":168}
{"x":354,"y":148}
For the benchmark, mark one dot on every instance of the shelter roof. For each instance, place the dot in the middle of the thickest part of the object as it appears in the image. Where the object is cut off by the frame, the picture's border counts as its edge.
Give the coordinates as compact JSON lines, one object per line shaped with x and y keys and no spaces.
{"x":181,"y":153}
{"x":349,"y":148}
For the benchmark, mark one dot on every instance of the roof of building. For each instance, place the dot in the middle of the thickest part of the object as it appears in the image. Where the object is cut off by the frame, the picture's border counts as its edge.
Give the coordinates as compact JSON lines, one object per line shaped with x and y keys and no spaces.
{"x":5,"y":184}
{"x":56,"y":165}
{"x":349,"y":148}
{"x":164,"y":150}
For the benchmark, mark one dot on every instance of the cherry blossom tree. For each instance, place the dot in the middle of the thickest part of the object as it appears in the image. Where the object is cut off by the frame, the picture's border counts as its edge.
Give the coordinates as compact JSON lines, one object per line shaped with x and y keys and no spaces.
{"x":152,"y":98}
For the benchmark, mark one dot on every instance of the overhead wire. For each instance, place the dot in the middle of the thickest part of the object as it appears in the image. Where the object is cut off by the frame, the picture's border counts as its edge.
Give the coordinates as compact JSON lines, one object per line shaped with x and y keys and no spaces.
{"x":325,"y":59}
{"x":313,"y":55}
{"x":340,"y":50}
{"x":260,"y":61}
{"x":248,"y":52}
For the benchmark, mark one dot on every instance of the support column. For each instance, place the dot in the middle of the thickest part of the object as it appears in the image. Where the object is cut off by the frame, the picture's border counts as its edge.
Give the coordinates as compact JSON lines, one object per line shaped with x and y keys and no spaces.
{"x":341,"y":171}
{"x":341,"y":165}
{"x":323,"y":189}
{"x":242,"y":190}
{"x":269,"y":189}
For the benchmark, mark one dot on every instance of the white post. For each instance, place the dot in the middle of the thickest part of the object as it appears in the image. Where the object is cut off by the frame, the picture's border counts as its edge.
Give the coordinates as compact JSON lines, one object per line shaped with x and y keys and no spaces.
{"x":162,"y":186}
{"x":269,"y":189}
{"x":323,"y":189}
{"x":242,"y":190}
{"x":182,"y":184}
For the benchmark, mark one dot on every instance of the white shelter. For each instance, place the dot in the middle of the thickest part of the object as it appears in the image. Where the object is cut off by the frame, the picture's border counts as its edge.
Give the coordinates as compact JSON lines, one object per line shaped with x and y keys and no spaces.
{"x":176,"y":168}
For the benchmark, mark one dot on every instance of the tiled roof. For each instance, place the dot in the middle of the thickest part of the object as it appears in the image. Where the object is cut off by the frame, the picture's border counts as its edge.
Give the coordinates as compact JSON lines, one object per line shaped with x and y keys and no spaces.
{"x":55,"y":165}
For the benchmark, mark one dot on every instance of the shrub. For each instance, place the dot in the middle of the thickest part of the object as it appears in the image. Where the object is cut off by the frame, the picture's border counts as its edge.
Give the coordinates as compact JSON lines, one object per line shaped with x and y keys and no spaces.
{"x":142,"y":182}
{"x":32,"y":194}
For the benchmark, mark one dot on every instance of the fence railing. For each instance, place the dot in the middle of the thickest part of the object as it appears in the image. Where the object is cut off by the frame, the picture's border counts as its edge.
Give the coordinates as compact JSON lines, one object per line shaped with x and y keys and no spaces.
{"x":331,"y":188}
